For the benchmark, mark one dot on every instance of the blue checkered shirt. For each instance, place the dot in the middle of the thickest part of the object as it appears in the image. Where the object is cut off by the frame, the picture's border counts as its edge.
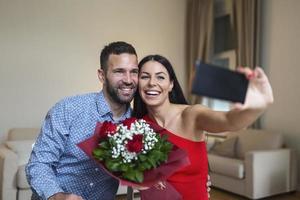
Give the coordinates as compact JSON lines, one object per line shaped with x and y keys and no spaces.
{"x":57,"y":164}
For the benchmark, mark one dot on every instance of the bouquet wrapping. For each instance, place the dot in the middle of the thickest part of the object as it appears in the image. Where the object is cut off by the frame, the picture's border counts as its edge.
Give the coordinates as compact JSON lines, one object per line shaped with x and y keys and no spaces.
{"x":136,"y":153}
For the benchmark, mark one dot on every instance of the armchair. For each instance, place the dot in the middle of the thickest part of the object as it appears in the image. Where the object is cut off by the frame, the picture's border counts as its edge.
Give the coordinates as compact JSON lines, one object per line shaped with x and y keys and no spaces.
{"x":254,"y":164}
{"x":14,"y":155}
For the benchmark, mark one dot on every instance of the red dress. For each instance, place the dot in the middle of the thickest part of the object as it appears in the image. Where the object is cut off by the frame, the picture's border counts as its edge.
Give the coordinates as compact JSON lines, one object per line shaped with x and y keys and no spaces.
{"x":190,"y":181}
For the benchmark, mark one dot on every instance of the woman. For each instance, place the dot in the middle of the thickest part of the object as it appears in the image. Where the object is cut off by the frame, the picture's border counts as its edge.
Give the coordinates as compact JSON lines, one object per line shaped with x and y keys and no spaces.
{"x":161,"y":100}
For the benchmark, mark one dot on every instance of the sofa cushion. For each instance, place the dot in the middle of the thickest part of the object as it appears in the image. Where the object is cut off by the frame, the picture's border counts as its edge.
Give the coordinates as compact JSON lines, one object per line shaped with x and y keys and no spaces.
{"x":22,"y":148}
{"x":21,"y":178}
{"x":251,"y":139}
{"x":225,"y":148}
{"x":22,"y":134}
{"x":210,"y":142}
{"x":226,"y":166}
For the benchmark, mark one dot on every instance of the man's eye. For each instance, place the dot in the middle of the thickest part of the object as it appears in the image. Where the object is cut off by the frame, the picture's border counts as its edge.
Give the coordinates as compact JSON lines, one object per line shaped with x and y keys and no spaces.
{"x":118,"y":71}
{"x":135,"y":72}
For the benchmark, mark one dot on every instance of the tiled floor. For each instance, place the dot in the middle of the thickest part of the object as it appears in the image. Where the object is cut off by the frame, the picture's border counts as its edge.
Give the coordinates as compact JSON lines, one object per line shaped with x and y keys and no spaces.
{"x":217,"y":194}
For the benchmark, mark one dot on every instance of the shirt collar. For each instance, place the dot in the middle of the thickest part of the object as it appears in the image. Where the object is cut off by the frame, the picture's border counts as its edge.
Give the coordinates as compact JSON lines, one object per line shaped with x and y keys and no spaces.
{"x":104,"y":109}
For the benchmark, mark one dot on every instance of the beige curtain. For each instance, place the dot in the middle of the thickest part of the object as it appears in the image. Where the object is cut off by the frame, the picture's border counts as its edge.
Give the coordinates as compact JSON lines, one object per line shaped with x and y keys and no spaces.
{"x":246,"y":15}
{"x":199,"y":33}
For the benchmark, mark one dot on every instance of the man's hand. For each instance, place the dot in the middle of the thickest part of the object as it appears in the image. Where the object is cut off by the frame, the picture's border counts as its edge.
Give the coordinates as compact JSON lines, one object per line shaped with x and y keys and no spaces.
{"x":65,"y":196}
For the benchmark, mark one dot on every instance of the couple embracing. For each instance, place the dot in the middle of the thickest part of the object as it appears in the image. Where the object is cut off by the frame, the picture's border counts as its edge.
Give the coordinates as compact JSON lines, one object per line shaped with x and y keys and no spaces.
{"x":58,"y":170}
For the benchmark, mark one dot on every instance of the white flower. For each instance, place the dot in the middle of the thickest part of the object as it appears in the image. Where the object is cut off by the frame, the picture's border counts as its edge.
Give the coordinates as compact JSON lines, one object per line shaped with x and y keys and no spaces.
{"x":123,"y":135}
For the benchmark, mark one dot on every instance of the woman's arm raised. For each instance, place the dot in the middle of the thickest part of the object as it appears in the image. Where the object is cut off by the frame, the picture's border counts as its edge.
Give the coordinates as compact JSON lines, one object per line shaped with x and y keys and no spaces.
{"x":259,"y":96}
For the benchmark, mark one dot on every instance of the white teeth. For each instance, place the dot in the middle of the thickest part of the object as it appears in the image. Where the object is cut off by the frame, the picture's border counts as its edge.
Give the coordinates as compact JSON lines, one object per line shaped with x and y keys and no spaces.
{"x":152,"y":92}
{"x":126,"y":89}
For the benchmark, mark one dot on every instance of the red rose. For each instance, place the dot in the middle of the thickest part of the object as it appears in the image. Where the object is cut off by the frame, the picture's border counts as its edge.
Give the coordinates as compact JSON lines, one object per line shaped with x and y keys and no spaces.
{"x":127,"y":122}
{"x":136,"y":144}
{"x":107,"y":128}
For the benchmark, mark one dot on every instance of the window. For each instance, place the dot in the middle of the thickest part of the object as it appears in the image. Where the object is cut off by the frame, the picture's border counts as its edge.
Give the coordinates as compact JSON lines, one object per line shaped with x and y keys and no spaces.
{"x":224,"y":44}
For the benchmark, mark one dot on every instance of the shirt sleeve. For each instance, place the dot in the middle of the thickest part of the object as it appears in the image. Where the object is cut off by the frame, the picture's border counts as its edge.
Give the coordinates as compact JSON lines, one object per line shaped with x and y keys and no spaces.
{"x":46,"y":153}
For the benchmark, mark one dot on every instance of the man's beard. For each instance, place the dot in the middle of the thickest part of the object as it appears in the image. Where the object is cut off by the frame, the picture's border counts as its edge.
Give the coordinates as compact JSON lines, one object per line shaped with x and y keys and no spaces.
{"x":114,"y":94}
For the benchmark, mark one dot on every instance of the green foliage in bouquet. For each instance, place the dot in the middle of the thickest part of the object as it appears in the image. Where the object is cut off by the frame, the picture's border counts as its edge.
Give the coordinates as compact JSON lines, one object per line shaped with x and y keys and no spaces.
{"x":131,"y":149}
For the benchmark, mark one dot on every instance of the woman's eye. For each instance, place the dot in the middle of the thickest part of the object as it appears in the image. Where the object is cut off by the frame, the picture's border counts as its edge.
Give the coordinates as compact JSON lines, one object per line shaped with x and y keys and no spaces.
{"x":161,"y":77}
{"x":144,"y":77}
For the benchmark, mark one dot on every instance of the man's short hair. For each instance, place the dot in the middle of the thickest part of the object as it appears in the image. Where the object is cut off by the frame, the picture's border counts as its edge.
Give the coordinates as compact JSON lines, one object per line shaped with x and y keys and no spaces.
{"x":114,"y":48}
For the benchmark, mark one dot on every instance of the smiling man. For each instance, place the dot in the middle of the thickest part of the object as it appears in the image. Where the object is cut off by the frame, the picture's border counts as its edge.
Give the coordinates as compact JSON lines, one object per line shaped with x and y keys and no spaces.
{"x":58,"y":169}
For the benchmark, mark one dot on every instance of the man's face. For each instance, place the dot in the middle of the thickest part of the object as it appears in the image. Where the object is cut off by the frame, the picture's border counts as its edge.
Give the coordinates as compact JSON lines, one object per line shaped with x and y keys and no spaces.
{"x":121,"y":78}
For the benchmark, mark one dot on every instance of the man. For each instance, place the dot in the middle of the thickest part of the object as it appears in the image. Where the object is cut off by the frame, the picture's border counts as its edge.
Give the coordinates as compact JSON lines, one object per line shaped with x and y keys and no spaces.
{"x":58,"y":169}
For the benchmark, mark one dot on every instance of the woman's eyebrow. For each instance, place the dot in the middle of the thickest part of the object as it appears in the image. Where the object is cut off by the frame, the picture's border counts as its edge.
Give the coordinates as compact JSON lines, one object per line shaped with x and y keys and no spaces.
{"x":157,"y":73}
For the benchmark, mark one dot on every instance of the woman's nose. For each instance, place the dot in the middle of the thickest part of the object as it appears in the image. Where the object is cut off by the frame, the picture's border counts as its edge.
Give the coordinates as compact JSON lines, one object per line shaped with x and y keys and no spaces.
{"x":152,"y":81}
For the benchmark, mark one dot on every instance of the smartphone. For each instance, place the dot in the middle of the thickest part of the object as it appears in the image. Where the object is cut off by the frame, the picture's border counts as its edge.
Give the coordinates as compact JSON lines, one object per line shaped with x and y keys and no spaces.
{"x":218,"y":82}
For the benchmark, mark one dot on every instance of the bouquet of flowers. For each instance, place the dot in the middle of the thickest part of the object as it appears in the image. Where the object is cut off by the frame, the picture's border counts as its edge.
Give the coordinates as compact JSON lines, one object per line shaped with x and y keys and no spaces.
{"x":135,"y":152}
{"x":130,"y":148}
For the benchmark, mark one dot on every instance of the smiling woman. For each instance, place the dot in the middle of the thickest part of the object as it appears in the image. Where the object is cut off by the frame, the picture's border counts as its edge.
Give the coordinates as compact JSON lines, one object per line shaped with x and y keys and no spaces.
{"x":160,"y":100}
{"x":154,"y":84}
{"x":163,"y":75}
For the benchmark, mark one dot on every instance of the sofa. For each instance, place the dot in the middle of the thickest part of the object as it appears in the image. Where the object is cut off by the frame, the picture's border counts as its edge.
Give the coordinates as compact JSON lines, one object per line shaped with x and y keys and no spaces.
{"x":14,"y":154}
{"x":252,"y":163}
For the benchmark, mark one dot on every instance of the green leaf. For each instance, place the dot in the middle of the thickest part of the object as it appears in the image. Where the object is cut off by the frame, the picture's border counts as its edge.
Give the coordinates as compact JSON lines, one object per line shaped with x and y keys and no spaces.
{"x":129,"y":175}
{"x":99,"y":153}
{"x":142,"y":157}
{"x":157,"y":154}
{"x":144,"y":166}
{"x":139,"y":176}
{"x":166,"y":147}
{"x":112,"y":165}
{"x":164,"y":157}
{"x":112,"y":142}
{"x":141,"y":167}
{"x":164,"y":137}
{"x":124,"y":167}
{"x":104,"y":144}
{"x":152,"y":162}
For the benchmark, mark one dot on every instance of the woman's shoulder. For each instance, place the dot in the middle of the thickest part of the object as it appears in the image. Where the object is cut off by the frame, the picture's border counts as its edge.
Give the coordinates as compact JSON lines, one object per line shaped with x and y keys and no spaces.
{"x":188,"y":118}
{"x":190,"y":109}
{"x":188,"y":112}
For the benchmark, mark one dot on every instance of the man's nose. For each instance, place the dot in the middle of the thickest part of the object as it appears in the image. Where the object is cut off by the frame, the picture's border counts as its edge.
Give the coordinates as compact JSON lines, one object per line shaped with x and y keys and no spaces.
{"x":128,"y":78}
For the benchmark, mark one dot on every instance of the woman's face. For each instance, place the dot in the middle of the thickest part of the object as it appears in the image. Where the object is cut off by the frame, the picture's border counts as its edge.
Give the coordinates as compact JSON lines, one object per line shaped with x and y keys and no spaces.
{"x":154,"y":83}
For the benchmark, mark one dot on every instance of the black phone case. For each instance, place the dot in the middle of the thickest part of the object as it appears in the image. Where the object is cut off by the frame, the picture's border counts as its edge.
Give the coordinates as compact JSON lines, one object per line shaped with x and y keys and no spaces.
{"x":221,"y":83}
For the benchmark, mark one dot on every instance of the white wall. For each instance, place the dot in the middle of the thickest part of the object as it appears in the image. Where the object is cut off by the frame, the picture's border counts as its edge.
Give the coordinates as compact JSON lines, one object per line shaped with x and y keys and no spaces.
{"x":50,"y":49}
{"x":281,"y":54}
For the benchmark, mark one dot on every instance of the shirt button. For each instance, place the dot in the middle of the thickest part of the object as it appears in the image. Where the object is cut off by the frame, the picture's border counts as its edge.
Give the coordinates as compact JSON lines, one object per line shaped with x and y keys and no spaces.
{"x":96,"y":169}
{"x":91,"y":184}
